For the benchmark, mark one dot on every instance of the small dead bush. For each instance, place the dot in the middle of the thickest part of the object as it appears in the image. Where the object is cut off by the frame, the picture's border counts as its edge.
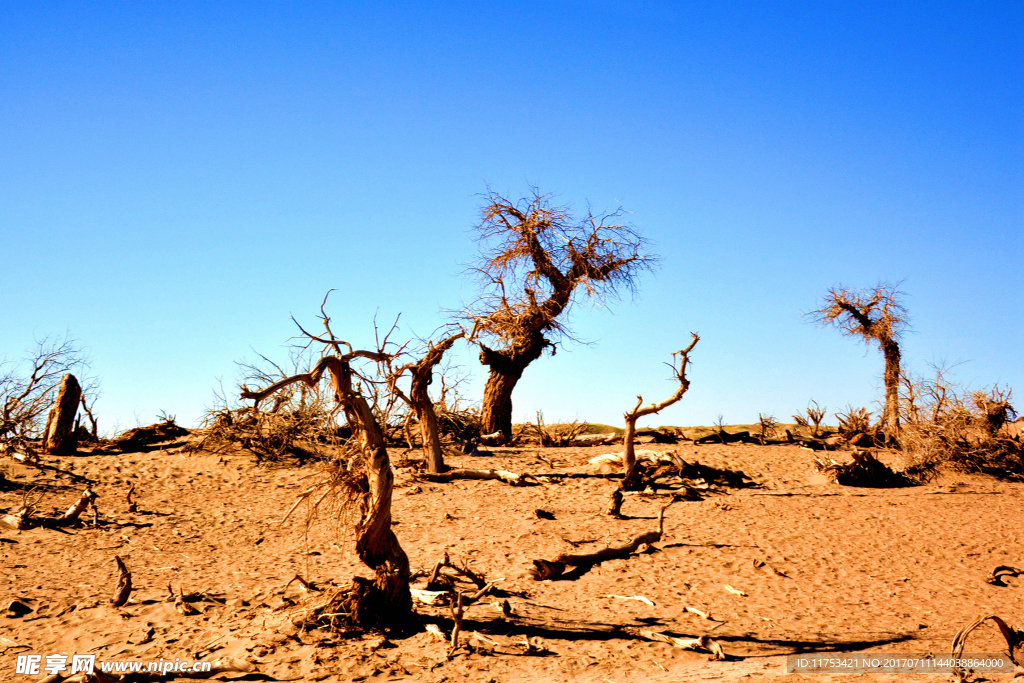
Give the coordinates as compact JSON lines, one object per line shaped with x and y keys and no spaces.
{"x":812,"y":418}
{"x":864,"y":470}
{"x":854,"y":421}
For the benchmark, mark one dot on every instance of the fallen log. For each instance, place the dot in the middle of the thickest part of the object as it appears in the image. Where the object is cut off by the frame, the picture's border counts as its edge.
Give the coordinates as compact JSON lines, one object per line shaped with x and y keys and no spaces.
{"x":451,"y":475}
{"x":700,"y":643}
{"x":551,"y":569}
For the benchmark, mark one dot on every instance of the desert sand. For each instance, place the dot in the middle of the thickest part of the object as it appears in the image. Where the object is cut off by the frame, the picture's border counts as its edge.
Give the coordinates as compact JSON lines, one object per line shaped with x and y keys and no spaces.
{"x":894,"y":571}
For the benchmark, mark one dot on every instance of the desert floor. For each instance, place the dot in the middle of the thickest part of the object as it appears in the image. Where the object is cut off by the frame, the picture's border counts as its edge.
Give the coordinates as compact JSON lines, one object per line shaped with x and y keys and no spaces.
{"x":895,"y":571}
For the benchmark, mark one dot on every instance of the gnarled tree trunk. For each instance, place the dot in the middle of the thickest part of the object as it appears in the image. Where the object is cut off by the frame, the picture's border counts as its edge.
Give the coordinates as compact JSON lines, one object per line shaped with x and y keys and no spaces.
{"x":506,"y":368}
{"x":59,"y":436}
{"x":419,"y":399}
{"x":384,"y":602}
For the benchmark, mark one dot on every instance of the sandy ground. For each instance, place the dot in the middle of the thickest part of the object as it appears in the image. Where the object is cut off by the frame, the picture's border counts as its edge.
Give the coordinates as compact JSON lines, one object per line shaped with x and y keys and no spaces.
{"x":894,"y":571}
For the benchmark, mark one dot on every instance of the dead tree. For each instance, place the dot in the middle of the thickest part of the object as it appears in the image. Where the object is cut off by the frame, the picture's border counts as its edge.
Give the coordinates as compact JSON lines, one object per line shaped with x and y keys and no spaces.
{"x":385,"y":601}
{"x":632,"y":481}
{"x":26,"y":396}
{"x":59,"y":436}
{"x":535,"y":259}
{"x":422,"y":375}
{"x":874,"y":316}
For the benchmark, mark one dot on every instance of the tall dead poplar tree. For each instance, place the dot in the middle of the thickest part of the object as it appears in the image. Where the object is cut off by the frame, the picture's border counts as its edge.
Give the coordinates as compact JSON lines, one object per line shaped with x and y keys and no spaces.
{"x":536,"y":260}
{"x":874,"y":315}
{"x":385,"y":601}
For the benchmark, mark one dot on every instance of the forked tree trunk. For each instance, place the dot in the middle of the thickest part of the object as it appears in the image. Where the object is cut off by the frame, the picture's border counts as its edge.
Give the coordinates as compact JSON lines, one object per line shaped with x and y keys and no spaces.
{"x":59,"y":436}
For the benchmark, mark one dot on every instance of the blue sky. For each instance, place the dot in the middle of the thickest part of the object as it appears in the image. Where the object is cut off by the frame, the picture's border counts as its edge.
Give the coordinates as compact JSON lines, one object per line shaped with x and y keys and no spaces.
{"x":179,"y":178}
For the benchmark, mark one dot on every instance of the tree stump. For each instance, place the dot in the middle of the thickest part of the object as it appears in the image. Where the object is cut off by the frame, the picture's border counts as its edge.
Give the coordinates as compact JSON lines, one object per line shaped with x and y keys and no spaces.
{"x":59,"y":437}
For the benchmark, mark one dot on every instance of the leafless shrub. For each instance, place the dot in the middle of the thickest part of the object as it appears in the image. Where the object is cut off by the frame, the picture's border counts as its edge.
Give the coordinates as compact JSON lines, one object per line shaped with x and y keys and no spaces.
{"x":300,"y":422}
{"x":768,"y":426}
{"x":865,"y":470}
{"x":949,"y":426}
{"x":854,"y":421}
{"x":557,"y":435}
{"x":812,"y":417}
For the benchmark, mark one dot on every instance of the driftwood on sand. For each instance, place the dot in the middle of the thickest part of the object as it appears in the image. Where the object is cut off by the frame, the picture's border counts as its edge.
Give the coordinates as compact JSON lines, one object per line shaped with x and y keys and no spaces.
{"x":552,"y":569}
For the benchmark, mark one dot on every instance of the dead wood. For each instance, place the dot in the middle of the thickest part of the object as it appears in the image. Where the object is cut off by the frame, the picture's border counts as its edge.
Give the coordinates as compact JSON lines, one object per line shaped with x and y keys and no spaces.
{"x":457,"y":613}
{"x":142,"y":439}
{"x":631,"y":482}
{"x":132,"y":507}
{"x":1001,"y":572}
{"x":864,"y":470}
{"x":552,"y":569}
{"x":615,"y":503}
{"x":72,"y":514}
{"x":124,"y":584}
{"x":422,"y":373}
{"x":59,"y":435}
{"x":704,"y":643}
{"x":1014,"y":638}
{"x":501,"y":475}
{"x":385,"y":601}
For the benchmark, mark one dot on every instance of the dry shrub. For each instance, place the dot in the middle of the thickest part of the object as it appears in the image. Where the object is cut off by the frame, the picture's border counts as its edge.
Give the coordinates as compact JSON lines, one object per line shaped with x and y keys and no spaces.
{"x":854,"y":421}
{"x":767,"y":426}
{"x":298,"y":423}
{"x":864,"y":470}
{"x":556,"y":435}
{"x":812,"y":418}
{"x":947,"y":426}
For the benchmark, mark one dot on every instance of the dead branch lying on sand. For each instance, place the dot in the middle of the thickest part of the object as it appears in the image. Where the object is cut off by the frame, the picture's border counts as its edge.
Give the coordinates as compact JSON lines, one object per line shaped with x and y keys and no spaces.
{"x":1014,"y":638}
{"x":700,"y":643}
{"x":545,"y":569}
{"x":124,"y":584}
{"x":1001,"y":572}
{"x":453,"y":474}
{"x":22,"y":518}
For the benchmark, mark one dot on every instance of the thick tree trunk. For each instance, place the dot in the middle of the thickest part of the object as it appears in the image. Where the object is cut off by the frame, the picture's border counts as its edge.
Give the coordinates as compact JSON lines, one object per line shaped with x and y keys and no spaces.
{"x":891,"y":412}
{"x":59,"y":435}
{"x":507,"y":366}
{"x":496,"y":411}
{"x":432,"y":454}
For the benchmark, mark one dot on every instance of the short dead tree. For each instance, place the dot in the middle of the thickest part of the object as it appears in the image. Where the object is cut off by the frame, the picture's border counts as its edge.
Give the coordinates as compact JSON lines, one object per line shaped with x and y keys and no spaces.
{"x":877,"y":316}
{"x":536,"y":260}
{"x":422,"y":375}
{"x":384,"y":602}
{"x":633,"y":481}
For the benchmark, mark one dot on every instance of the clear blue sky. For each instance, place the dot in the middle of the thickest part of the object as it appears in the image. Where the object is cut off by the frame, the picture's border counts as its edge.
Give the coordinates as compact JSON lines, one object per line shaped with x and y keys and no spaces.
{"x":178,"y":178}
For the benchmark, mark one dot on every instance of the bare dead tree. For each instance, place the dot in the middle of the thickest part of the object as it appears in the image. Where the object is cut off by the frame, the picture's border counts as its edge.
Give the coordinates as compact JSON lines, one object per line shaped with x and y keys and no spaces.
{"x":385,"y":601}
{"x":422,"y":375}
{"x":631,"y":482}
{"x":536,"y":260}
{"x":878,"y":316}
{"x":27,"y":395}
